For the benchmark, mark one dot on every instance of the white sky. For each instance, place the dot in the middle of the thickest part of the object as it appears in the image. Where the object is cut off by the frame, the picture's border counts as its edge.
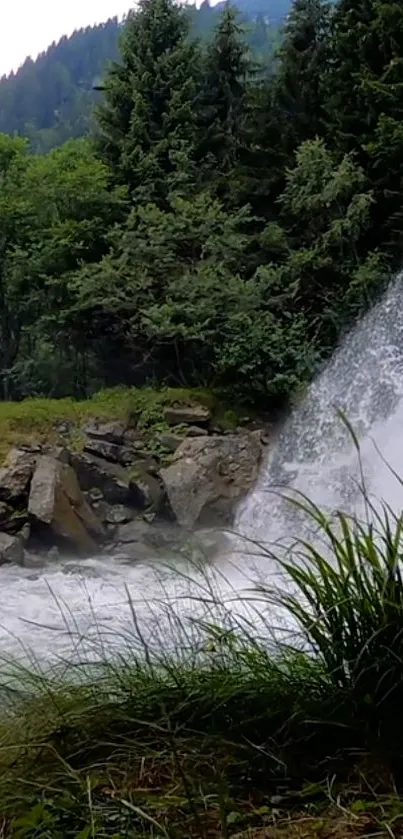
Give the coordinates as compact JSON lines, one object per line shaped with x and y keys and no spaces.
{"x":28,"y":27}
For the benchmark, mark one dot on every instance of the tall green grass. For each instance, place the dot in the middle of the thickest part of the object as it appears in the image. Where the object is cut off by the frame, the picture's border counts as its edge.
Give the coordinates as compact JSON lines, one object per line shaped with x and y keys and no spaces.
{"x":185,"y":745}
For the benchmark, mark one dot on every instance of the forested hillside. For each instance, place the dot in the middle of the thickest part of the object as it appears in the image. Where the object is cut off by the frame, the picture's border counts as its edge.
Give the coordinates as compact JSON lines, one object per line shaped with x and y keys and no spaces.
{"x":50,"y":100}
{"x":224,"y":227}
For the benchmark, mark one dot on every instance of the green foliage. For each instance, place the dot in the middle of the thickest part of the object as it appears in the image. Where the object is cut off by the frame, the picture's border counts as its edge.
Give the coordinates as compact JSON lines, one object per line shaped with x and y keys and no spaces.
{"x":232,"y":220}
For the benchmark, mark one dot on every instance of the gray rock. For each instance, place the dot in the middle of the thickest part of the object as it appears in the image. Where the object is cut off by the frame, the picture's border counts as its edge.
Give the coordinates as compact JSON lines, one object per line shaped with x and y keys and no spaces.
{"x":53,"y":554}
{"x":119,"y":514}
{"x":111,"y":451}
{"x":11,"y":549}
{"x":207,"y":471}
{"x":58,"y":452}
{"x":56,"y":500}
{"x":110,"y":432}
{"x":195,"y":431}
{"x":16,"y":474}
{"x":42,"y":496}
{"x":25,"y":532}
{"x":111,"y":479}
{"x":169,"y":441}
{"x":187,"y":414}
{"x":146,"y":490}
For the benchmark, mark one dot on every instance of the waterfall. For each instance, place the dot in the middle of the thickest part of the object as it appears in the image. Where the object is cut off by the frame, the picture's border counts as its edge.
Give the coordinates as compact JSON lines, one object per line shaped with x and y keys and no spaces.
{"x":48,"y":612}
{"x":315,"y":454}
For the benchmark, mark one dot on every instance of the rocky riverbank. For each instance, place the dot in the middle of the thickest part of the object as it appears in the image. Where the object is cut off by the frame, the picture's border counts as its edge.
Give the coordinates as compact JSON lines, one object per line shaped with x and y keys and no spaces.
{"x":125,"y":488}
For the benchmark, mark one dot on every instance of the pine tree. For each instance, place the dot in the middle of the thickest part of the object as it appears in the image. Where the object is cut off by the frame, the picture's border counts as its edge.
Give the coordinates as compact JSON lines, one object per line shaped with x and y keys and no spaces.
{"x":365,"y":103}
{"x":146,"y":120}
{"x":302,"y":70}
{"x":223,"y":102}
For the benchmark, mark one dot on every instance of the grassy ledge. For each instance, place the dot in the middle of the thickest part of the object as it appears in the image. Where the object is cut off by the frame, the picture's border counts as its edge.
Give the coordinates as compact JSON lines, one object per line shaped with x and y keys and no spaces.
{"x":34,"y":420}
{"x":235,"y":740}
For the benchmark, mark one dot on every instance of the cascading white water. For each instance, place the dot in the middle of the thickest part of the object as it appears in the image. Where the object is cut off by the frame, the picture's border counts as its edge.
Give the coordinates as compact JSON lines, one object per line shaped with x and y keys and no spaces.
{"x":313,"y":453}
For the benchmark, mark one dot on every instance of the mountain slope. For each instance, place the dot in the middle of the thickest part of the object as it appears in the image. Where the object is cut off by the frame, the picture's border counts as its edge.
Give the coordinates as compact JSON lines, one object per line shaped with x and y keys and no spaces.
{"x":50,"y":100}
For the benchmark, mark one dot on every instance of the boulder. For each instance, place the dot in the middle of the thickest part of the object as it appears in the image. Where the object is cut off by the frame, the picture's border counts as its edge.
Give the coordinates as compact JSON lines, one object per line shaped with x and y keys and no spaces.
{"x":159,"y":536}
{"x":109,"y":478}
{"x":208,"y":475}
{"x":56,"y":501}
{"x":112,"y":452}
{"x":146,"y":489}
{"x":16,"y":474}
{"x":11,"y":549}
{"x":187,"y":415}
{"x":110,"y":432}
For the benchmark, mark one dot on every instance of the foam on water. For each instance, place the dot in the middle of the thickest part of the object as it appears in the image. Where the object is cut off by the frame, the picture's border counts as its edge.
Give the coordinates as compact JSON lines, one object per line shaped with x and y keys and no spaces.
{"x":313,"y":453}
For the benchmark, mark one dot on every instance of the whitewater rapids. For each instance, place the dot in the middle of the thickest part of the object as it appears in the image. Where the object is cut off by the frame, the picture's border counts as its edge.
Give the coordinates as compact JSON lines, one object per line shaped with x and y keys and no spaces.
{"x":58,"y":611}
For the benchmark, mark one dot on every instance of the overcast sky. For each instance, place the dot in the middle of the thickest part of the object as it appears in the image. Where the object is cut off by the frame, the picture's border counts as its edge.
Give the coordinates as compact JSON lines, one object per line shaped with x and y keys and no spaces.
{"x":28,"y":27}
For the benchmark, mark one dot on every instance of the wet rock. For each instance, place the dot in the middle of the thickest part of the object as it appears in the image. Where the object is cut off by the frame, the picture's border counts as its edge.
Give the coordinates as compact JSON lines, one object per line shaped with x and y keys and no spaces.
{"x":187,"y":415}
{"x":82,"y":570}
{"x":207,"y":543}
{"x":33,"y":561}
{"x":11,"y":549}
{"x":137,"y":552}
{"x":16,"y":474}
{"x":53,"y":554}
{"x":133,"y":531}
{"x":56,"y":500}
{"x":25,"y":532}
{"x":208,"y":471}
{"x":118,"y":514}
{"x":110,"y":432}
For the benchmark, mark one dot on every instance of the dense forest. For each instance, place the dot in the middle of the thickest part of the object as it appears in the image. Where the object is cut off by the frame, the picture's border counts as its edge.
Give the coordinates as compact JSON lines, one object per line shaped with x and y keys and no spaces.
{"x":224,"y":225}
{"x":50,"y":100}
